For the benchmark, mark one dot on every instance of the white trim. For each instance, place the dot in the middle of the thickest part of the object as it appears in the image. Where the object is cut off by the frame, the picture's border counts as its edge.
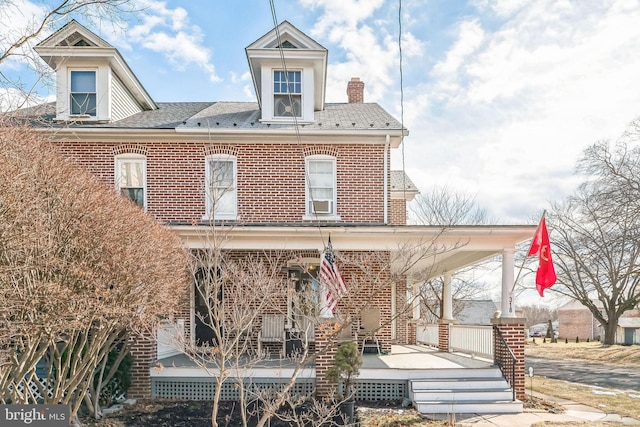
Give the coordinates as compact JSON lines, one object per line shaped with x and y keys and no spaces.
{"x":133,"y":158}
{"x":333,"y":213}
{"x":209,"y":214}
{"x":63,"y":102}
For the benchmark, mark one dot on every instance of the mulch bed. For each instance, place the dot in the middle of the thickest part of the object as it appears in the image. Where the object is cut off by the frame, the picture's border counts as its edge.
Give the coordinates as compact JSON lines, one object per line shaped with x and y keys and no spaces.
{"x":179,"y":413}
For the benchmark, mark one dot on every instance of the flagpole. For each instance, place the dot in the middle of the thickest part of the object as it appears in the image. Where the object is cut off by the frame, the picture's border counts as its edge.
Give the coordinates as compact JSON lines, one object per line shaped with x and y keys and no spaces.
{"x":524,"y":260}
{"x":325,"y":312}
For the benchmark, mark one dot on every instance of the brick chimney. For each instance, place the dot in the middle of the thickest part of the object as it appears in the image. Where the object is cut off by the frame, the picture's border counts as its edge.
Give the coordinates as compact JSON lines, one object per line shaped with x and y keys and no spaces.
{"x":355,"y":90}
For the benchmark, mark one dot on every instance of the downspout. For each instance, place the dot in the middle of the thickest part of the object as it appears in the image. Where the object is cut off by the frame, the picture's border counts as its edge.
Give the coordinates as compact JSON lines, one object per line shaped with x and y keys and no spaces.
{"x":386,"y":179}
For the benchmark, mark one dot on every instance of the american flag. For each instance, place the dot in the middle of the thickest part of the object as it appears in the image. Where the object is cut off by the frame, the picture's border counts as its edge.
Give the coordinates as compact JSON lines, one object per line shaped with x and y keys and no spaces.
{"x":331,"y":278}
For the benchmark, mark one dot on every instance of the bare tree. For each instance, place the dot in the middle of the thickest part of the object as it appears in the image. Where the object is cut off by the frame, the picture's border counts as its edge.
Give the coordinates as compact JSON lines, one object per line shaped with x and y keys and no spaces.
{"x":596,"y":233}
{"x":446,"y":207}
{"x":81,"y":269}
{"x":237,"y":289}
{"x":536,"y":314}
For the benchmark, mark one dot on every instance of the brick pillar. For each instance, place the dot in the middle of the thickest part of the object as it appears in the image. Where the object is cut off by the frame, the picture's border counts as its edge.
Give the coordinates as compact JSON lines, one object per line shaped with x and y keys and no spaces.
{"x":443,"y":334}
{"x":512,"y":329}
{"x":143,"y":353}
{"x":326,"y":347}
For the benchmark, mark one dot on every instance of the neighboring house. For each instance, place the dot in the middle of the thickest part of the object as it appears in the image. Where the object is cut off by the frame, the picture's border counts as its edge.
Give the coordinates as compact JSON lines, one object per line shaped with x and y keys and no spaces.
{"x":280,"y":169}
{"x":628,"y":332}
{"x":576,"y":321}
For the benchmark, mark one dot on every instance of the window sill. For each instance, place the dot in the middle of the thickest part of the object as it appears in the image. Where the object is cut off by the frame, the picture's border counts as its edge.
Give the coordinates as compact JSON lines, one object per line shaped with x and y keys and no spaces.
{"x":321,"y":217}
{"x":225,"y":217}
{"x":286,"y":121}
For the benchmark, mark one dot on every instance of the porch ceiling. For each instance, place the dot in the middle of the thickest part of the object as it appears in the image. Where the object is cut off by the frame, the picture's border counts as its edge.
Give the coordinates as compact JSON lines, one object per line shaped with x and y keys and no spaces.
{"x":430,"y":250}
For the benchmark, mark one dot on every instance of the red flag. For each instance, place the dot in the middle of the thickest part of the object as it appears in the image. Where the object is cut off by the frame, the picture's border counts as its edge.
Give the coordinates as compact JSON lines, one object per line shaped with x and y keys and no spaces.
{"x":331,"y":278}
{"x":546,"y":274}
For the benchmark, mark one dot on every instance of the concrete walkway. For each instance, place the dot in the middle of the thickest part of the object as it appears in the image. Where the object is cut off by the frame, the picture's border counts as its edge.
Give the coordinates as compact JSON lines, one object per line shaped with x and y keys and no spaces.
{"x":575,"y":412}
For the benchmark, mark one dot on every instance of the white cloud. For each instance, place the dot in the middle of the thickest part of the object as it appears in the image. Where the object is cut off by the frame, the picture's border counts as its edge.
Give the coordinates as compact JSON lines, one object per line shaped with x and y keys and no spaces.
{"x":13,"y":98}
{"x":508,"y":110}
{"x":170,"y":32}
{"x":18,"y":19}
{"x":370,"y":50}
{"x":345,"y":14}
{"x":470,"y":39}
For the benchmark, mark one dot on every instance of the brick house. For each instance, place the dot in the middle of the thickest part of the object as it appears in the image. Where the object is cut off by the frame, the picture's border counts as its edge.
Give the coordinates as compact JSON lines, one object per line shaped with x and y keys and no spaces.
{"x":287,"y":171}
{"x":576,"y":321}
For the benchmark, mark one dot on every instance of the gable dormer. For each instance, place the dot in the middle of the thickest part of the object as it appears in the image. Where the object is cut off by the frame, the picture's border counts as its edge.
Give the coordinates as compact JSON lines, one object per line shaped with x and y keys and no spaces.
{"x":93,"y":81}
{"x":289,"y":72}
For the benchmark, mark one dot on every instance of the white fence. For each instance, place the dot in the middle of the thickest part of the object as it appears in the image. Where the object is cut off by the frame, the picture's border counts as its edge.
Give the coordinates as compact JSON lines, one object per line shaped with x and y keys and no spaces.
{"x":473,"y":339}
{"x":427,"y":333}
{"x":476,"y":340}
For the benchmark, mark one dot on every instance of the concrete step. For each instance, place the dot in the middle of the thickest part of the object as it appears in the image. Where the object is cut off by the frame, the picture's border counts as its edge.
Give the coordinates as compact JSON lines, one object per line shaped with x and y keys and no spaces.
{"x":463,"y":391}
{"x":489,"y":395}
{"x":489,"y":372}
{"x":459,"y":384}
{"x":469,"y":407}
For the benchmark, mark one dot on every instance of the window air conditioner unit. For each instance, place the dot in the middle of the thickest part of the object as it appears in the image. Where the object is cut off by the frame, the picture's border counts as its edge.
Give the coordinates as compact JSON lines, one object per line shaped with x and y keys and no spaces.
{"x":321,"y":206}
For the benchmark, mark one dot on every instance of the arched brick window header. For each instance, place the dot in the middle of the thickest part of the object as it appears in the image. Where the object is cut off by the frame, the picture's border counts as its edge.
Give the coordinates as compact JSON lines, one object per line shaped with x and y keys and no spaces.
{"x":130,"y":149}
{"x":221,"y":149}
{"x":324,"y":150}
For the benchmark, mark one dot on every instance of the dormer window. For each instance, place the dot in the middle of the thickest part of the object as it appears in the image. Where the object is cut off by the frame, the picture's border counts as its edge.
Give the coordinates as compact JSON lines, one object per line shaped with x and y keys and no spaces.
{"x":82,"y":99}
{"x":287,"y":93}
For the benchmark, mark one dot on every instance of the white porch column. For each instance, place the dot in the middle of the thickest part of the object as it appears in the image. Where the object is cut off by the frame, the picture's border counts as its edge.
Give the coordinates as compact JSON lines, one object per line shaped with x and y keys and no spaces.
{"x":447,"y":298}
{"x":508,"y":307}
{"x":325,"y":311}
{"x":416,"y":301}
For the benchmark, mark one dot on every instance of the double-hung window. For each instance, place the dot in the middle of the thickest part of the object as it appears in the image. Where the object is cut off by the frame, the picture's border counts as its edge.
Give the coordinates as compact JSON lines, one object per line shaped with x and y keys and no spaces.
{"x":321,"y":185}
{"x":287,"y":93}
{"x":131,"y":180}
{"x":221,"y":191}
{"x":82,"y":99}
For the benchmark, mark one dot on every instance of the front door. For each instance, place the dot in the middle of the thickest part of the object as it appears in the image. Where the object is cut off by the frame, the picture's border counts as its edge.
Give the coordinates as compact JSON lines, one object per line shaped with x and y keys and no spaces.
{"x":208,"y":311}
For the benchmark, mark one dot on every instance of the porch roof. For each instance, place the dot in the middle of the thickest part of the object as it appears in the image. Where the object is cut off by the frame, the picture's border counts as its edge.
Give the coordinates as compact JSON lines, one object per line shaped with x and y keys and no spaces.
{"x":438,"y":249}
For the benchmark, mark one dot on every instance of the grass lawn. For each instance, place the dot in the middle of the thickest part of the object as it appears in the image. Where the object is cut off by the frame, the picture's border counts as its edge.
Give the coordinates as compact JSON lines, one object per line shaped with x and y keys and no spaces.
{"x":626,"y":403}
{"x":592,"y":352}
{"x":611,"y":401}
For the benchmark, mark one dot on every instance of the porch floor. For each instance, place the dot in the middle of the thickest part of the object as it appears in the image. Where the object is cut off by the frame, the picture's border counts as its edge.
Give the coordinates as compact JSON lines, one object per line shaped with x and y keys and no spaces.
{"x":403,"y":361}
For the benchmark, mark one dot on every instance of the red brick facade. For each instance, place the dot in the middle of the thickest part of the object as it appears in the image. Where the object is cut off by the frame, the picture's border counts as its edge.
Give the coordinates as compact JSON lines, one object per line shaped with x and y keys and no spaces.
{"x":270,"y":180}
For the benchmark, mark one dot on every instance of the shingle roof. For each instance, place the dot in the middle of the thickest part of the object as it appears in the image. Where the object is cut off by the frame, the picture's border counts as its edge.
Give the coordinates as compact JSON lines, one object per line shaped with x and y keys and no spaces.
{"x":246,"y":115}
{"x":399,"y":181}
{"x":230,"y":115}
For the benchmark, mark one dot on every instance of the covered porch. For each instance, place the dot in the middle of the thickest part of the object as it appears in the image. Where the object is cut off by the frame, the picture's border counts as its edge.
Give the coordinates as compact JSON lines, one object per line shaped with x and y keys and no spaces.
{"x":440,"y":252}
{"x":403,"y":363}
{"x":433,"y":381}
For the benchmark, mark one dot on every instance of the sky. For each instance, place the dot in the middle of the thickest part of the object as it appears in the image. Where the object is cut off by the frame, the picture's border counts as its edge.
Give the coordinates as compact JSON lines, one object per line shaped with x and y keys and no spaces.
{"x":500,"y":96}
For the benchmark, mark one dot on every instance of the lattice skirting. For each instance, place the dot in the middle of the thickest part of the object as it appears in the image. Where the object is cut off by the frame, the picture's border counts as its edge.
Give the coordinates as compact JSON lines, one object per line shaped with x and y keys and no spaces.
{"x":373,"y":390}
{"x":204,"y":388}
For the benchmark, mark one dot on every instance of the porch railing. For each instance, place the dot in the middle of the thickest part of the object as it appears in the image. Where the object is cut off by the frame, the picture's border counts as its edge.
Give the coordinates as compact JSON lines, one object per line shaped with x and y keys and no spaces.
{"x":476,"y":340}
{"x":505,"y":359}
{"x":427,"y":333}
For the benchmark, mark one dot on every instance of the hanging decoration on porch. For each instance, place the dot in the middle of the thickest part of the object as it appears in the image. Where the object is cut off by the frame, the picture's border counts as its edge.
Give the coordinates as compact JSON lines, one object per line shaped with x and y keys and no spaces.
{"x":546,"y":274}
{"x":331,"y":279}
